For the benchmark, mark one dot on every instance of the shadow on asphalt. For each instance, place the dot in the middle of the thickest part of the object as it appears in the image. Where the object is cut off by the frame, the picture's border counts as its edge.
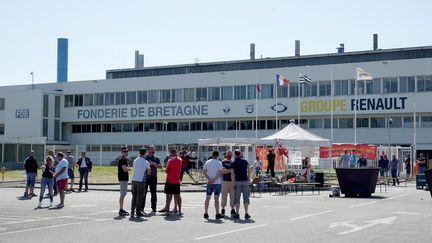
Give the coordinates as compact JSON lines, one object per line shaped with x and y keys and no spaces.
{"x":244,"y":221}
{"x":22,"y":198}
{"x":137,"y":219}
{"x":173,"y":217}
{"x":214,"y":221}
{"x":46,"y":207}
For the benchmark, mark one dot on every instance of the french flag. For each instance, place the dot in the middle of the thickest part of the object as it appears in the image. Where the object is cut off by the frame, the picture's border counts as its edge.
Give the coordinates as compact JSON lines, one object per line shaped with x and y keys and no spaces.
{"x":281,"y":80}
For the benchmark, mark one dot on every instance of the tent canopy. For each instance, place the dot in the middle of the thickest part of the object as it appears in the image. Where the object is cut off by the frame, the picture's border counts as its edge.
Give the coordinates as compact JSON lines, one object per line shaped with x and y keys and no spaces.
{"x":290,"y":135}
{"x":295,"y":135}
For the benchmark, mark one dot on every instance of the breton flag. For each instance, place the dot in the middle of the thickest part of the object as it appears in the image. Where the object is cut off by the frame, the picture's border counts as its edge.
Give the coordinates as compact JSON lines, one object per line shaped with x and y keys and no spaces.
{"x":258,"y":87}
{"x":305,"y":79}
{"x":281,"y":80}
{"x":362,"y":75}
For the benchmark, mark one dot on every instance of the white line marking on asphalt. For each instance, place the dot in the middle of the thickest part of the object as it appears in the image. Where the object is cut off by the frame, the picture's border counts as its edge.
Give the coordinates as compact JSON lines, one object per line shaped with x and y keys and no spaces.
{"x":310,"y":215}
{"x":407,"y":213}
{"x":229,"y":232}
{"x":398,"y":196}
{"x":82,"y":205}
{"x":2,"y":229}
{"x":362,"y":204}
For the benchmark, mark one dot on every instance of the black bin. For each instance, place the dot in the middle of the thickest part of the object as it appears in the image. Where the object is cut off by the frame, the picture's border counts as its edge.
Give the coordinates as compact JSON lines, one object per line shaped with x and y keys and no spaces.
{"x":428,"y":175}
{"x":355,"y":182}
{"x":319,"y":178}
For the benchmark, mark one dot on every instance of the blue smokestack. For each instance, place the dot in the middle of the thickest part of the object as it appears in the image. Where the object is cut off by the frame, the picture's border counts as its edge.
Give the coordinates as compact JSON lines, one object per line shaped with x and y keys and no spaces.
{"x":62,"y":60}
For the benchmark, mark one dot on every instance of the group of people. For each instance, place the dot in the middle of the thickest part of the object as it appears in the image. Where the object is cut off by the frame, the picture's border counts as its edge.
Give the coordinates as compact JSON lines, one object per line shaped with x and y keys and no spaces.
{"x":395,"y":166}
{"x":229,"y":177}
{"x":351,"y":161}
{"x":57,"y":169}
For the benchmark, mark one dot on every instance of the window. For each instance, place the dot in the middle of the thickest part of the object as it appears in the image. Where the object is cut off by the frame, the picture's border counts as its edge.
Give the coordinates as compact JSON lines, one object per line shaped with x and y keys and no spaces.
{"x":327,"y":123}
{"x":195,"y":126}
{"x":316,"y":123}
{"x":142,"y":97}
{"x":271,"y":124}
{"x":293,"y":90}
{"x":373,"y":86}
{"x":106,"y":128}
{"x":406,"y":84}
{"x":131,"y":97}
{"x":377,"y":122}
{"x":227,"y":93}
{"x":96,"y":128}
{"x":88,"y":100}
{"x":116,"y":127}
{"x":138,"y":127}
{"x":360,"y":86}
{"x":246,"y":125}
{"x":341,"y":87}
{"x":201,"y":94}
{"x":362,"y":122}
{"x":424,"y":83}
{"x":231,"y":125}
{"x":171,"y":126}
{"x":120,"y":98}
{"x":220,"y":125}
{"x":240,"y":92}
{"x":57,"y":106}
{"x":165,"y":96}
{"x":189,"y":95}
{"x":45,"y":105}
{"x":109,"y":98}
{"x":267,"y":91}
{"x":310,"y":90}
{"x":78,"y":100}
{"x":324,"y":88}
{"x":208,"y":126}
{"x":396,"y":123}
{"x":408,"y":122}
{"x":261,"y":124}
{"x":85,"y":128}
{"x":177,"y":95}
{"x":345,"y":123}
{"x":153,"y":96}
{"x":390,"y":85}
{"x":251,"y":91}
{"x":282,"y":91}
{"x":2,"y":128}
{"x":68,"y":101}
{"x":45,"y":127}
{"x":75,"y":128}
{"x":127,"y":127}
{"x":149,"y":127}
{"x":183,"y":126}
{"x":213,"y":93}
{"x":98,"y":99}
{"x":426,"y":121}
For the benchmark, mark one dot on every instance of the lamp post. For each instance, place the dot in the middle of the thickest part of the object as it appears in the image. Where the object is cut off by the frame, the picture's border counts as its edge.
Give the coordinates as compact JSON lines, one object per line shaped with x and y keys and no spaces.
{"x":390,"y":121}
{"x":164,"y":123}
{"x":236,"y":127}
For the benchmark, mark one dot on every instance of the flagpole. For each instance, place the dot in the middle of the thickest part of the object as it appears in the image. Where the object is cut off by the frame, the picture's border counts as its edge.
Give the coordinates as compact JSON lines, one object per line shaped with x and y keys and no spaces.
{"x":276,"y":106}
{"x":414,"y":135}
{"x":355,"y":110}
{"x":298,"y":99}
{"x":331,"y":115}
{"x":256,"y":106}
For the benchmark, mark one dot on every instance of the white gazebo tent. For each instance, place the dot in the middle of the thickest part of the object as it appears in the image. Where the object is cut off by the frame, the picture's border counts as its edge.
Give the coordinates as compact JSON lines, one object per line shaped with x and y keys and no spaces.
{"x":295,"y":135}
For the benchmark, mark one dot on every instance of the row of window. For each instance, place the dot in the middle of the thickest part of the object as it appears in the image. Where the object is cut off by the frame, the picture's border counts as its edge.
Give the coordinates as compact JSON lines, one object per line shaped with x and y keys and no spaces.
{"x":243,"y":92}
{"x":2,"y":104}
{"x":2,"y":129}
{"x":368,"y":122}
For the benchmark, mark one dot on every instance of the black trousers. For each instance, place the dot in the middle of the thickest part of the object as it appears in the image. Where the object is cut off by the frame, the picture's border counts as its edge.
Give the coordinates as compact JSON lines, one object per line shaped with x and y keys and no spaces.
{"x":152,"y":183}
{"x":270,"y":168}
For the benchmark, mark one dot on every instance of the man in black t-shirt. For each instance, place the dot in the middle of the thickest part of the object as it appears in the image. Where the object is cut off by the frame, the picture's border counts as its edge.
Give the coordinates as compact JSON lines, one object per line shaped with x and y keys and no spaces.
{"x":227,"y":184}
{"x":30,"y":166}
{"x":421,"y":163}
{"x":151,"y":180}
{"x":271,"y":162}
{"x":241,"y":177}
{"x":123,"y":177}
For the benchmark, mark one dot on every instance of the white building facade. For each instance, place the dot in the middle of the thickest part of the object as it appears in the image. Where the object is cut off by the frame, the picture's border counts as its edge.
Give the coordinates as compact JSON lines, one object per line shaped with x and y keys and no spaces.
{"x":180,"y":104}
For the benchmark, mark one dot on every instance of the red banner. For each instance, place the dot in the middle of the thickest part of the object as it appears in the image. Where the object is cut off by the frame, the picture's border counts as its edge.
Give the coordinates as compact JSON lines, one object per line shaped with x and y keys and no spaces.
{"x":369,"y":151}
{"x":262,"y":154}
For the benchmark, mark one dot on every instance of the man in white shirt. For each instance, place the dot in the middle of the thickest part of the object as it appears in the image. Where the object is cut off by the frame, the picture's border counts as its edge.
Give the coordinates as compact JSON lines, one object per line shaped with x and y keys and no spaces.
{"x":213,"y":171}
{"x":61,"y":174}
{"x":141,"y":168}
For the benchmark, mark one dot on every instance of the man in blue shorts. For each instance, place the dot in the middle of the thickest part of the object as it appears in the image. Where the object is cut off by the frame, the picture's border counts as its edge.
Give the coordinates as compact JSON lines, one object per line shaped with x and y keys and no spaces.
{"x":213,"y":171}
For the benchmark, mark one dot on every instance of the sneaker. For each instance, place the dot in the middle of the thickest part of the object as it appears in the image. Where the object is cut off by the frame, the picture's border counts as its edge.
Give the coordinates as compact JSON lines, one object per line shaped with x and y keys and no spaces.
{"x":162,"y":210}
{"x":25,"y":194}
{"x":123,"y":213}
{"x":223,"y":212}
{"x":39,"y":205}
{"x":50,"y":204}
{"x":59,"y":205}
{"x":219,"y":216}
{"x":72,"y":190}
{"x":206,"y":216}
{"x":174,"y":211}
{"x":236,"y":216}
{"x":33,"y":195}
{"x":247,"y":216}
{"x":233,"y":212}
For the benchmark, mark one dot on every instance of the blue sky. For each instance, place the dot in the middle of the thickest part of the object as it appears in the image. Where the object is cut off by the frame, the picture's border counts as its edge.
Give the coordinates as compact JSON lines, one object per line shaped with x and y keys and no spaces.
{"x":104,"y":34}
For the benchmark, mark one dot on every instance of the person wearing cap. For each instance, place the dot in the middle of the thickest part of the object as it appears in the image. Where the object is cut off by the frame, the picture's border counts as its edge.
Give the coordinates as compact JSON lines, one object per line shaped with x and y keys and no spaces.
{"x":71,"y":168}
{"x":62,"y":177}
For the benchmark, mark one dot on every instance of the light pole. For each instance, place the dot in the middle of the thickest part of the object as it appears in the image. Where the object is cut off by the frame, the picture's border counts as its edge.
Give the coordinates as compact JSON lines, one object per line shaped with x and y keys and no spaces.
{"x":236,"y":127}
{"x":390,"y":121}
{"x":163,"y":136}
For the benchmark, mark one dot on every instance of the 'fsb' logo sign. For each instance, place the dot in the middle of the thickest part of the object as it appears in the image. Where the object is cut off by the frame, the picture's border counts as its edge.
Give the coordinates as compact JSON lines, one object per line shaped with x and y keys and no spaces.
{"x":22,"y":113}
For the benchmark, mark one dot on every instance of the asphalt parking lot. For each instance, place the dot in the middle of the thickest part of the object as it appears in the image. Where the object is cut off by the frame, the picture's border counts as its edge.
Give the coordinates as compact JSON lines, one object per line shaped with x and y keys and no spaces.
{"x":402,"y":214}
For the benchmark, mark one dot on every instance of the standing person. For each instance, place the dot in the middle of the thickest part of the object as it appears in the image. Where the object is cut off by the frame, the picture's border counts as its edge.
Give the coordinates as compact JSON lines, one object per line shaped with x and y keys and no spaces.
{"x":185,"y":166}
{"x":31,"y":167}
{"x":47,"y":180}
{"x":227,"y":184}
{"x":212,"y":172}
{"x":62,"y":177}
{"x":193,"y":159}
{"x":85,"y":165}
{"x":387,"y":164}
{"x":408,"y":165}
{"x":362,"y":161}
{"x":344,"y":160}
{"x":241,"y":177}
{"x":141,"y":168}
{"x":353,"y":159}
{"x":71,"y":169}
{"x":421,"y":163}
{"x":271,"y":162}
{"x":258,"y":166}
{"x":56,"y":161}
{"x":151,"y":180}
{"x":123,"y":178}
{"x":172,"y":184}
{"x":394,"y":164}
